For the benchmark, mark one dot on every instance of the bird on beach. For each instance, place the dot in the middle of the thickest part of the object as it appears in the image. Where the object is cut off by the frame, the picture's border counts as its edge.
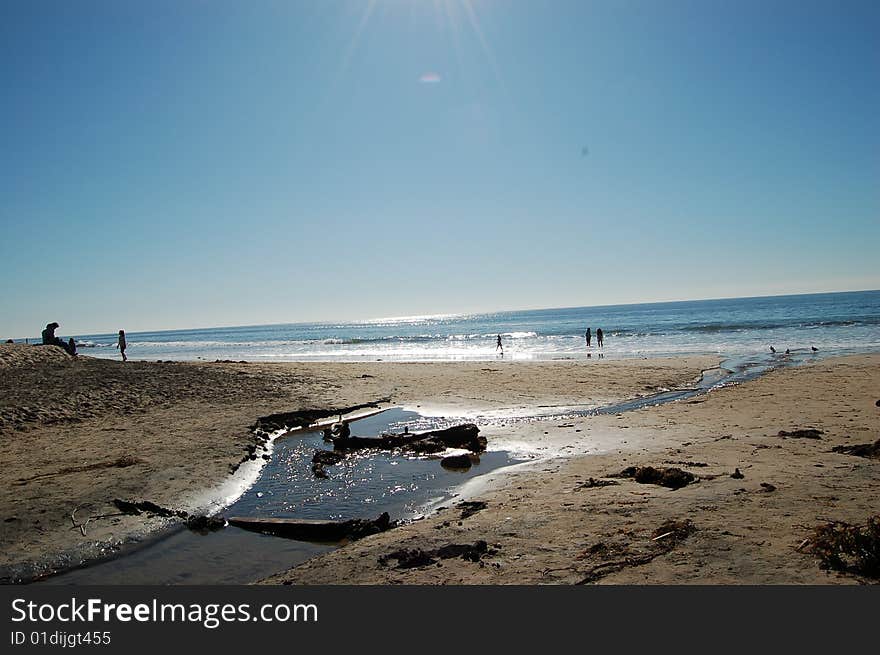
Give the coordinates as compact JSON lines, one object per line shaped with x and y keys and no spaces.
{"x":814,"y":349}
{"x":787,"y":351}
{"x":772,"y":350}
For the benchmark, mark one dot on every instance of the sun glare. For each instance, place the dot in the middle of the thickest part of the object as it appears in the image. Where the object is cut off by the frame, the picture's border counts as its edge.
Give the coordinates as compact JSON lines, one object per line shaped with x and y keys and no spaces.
{"x":458,"y":17}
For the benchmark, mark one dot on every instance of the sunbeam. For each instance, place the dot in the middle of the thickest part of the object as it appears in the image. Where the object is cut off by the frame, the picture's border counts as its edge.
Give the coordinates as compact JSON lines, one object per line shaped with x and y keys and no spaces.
{"x":447,"y":14}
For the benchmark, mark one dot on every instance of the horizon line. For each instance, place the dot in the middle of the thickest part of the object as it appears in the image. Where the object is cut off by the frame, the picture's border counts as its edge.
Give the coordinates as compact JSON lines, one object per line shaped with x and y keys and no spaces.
{"x":453,"y":314}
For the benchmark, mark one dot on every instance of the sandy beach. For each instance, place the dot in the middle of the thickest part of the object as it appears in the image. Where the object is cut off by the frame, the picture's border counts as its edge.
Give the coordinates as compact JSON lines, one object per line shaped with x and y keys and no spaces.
{"x":553,"y":523}
{"x":77,"y":433}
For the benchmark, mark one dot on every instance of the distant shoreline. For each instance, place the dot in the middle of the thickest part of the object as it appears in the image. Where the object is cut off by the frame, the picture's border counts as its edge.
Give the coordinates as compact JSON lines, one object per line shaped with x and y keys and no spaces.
{"x":386,"y":319}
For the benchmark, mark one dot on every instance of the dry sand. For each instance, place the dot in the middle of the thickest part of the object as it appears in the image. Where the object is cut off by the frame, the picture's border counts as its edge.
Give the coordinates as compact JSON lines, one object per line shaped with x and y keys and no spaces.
{"x":77,"y":433}
{"x":544,"y":525}
{"x":80,"y":432}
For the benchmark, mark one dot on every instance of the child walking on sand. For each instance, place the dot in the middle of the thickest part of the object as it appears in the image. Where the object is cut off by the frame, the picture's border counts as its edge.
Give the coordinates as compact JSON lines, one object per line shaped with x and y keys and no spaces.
{"x":121,"y":345}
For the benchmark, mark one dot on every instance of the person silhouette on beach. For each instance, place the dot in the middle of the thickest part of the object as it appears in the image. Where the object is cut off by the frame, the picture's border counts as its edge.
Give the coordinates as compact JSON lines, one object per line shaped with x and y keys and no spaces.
{"x":499,"y":346}
{"x":49,"y":339}
{"x":588,"y":336}
{"x":48,"y":334}
{"x":121,"y":345}
{"x":599,"y":336}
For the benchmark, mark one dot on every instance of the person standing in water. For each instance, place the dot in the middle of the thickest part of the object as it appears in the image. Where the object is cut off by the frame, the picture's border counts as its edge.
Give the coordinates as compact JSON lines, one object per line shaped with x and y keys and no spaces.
{"x":498,"y":346}
{"x":588,"y":335}
{"x":121,"y":345}
{"x":599,"y":337}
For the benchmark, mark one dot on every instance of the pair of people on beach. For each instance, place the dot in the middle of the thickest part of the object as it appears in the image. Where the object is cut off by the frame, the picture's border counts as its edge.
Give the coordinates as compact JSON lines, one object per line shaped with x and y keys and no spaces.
{"x":49,"y":339}
{"x":588,"y":335}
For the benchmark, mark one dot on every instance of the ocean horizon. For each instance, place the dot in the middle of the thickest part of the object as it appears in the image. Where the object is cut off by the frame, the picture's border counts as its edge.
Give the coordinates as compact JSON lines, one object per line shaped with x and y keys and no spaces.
{"x":834,"y":323}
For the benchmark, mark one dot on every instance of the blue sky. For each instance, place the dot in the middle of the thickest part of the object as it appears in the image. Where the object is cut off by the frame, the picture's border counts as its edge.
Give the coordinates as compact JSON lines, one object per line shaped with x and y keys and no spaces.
{"x":192,"y":164}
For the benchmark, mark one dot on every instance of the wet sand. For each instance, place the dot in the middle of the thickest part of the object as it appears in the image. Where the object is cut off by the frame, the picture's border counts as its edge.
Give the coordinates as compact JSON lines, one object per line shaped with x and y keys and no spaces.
{"x":77,"y":433}
{"x":549,"y":523}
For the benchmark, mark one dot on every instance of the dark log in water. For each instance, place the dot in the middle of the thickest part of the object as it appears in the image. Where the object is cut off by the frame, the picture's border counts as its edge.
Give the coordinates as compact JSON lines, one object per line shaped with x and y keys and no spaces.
{"x":313,"y":530}
{"x":457,"y":436}
{"x":306,"y":417}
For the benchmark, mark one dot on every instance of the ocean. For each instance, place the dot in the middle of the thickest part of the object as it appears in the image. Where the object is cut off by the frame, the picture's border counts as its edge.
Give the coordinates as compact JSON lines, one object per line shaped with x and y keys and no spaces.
{"x":834,"y":323}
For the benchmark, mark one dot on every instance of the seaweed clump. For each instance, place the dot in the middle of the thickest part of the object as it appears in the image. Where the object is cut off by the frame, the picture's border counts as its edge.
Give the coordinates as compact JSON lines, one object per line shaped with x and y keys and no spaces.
{"x":673,"y":478}
{"x":849,"y":548}
{"x":869,"y":450}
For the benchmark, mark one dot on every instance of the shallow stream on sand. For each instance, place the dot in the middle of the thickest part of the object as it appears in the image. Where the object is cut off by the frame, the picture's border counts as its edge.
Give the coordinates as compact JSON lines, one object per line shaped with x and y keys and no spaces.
{"x":362,"y":486}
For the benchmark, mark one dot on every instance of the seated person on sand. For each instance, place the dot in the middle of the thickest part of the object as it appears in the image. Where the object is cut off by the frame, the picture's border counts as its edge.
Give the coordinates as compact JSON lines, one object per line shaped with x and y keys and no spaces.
{"x":49,"y":339}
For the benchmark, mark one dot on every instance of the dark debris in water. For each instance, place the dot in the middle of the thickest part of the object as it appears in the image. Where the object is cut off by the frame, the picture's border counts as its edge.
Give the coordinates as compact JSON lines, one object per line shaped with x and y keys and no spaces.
{"x":459,"y":462}
{"x":323,"y":458}
{"x":205,"y":524}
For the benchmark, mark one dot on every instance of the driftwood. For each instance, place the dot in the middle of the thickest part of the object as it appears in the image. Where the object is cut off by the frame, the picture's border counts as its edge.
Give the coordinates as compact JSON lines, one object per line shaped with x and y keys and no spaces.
{"x":457,"y":436}
{"x":313,"y":530}
{"x":305,"y":417}
{"x":465,"y":435}
{"x":82,"y":526}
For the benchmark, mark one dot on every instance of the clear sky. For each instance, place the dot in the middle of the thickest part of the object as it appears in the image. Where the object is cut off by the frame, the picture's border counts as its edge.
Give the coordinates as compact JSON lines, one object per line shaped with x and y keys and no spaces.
{"x":191,"y":163}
